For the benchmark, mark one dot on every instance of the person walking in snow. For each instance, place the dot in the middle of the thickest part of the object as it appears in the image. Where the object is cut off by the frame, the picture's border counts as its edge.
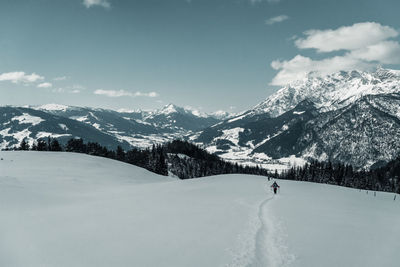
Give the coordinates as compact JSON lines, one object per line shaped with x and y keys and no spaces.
{"x":275,"y":187}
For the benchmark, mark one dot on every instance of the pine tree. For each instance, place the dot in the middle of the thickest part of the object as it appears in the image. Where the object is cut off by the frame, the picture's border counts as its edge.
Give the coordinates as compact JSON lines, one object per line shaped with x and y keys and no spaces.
{"x":34,"y":146}
{"x":76,"y":145}
{"x":55,"y":145}
{"x":41,"y":145}
{"x":23,"y":145}
{"x":49,"y":144}
{"x":120,"y":154}
{"x":161,"y":166}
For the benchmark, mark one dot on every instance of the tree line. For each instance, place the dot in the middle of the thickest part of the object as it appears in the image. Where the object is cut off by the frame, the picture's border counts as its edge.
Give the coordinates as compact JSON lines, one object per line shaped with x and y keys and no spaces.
{"x":179,"y":158}
{"x":186,"y":160}
{"x":385,"y":178}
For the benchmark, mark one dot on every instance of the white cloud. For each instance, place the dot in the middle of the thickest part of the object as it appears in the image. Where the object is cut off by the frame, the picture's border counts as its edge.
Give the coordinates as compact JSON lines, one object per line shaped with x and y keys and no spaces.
{"x":20,"y":77}
{"x":75,"y":89}
{"x":120,"y":93}
{"x":45,"y":85}
{"x":150,"y":94}
{"x":364,"y":46}
{"x":276,"y":19}
{"x":61,"y":78}
{"x":386,"y":52}
{"x":103,"y":3}
{"x":357,"y":36}
{"x":112,"y":93}
{"x":58,"y":90}
{"x":298,"y":67}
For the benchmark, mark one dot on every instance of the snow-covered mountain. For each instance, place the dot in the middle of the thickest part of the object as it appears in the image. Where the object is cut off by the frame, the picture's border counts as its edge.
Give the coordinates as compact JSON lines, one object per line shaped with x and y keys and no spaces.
{"x":352,"y":117}
{"x":125,"y":127}
{"x":332,"y":91}
{"x":18,"y":123}
{"x":108,"y":127}
{"x":168,"y":119}
{"x":175,"y":118}
{"x":222,"y":115}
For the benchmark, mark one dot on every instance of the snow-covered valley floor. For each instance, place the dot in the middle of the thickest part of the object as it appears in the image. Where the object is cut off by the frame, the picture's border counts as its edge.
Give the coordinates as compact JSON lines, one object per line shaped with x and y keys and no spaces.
{"x":66,"y":209}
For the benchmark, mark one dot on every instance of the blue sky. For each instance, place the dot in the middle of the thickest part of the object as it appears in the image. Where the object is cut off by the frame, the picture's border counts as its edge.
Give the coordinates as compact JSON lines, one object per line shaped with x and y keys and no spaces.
{"x":207,"y":54}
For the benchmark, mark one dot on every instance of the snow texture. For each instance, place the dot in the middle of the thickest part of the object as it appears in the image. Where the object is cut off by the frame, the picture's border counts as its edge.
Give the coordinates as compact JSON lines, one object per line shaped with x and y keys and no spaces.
{"x":67,"y":209}
{"x":26,"y":118}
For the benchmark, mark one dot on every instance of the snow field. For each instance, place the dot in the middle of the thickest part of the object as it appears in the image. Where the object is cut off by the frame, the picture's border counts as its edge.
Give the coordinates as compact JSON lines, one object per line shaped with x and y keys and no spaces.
{"x":335,"y":226}
{"x":67,"y":209}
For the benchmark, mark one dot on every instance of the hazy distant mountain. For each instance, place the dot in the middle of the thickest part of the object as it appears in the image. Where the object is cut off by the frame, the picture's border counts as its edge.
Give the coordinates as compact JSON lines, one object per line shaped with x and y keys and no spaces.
{"x":222,"y":115}
{"x":110,"y":128}
{"x":174,"y":118}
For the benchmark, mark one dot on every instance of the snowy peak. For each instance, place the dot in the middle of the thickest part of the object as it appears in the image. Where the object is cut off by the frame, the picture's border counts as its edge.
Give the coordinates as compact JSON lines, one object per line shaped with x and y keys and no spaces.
{"x":222,"y":115}
{"x":332,"y":91}
{"x":173,"y":109}
{"x":190,"y":111}
{"x":178,"y":118}
{"x":52,"y":107}
{"x":387,"y":74}
{"x":129,"y":111}
{"x":170,"y":108}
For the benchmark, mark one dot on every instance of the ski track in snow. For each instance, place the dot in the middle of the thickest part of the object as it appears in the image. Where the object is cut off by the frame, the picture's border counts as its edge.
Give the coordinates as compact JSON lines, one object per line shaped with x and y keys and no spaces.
{"x":263,"y":244}
{"x":270,"y":240}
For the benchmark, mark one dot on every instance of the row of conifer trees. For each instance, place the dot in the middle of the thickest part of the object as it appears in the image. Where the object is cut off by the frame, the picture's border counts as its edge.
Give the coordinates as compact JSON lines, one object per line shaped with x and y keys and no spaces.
{"x":386,"y":178}
{"x":180,"y":158}
{"x":186,"y":160}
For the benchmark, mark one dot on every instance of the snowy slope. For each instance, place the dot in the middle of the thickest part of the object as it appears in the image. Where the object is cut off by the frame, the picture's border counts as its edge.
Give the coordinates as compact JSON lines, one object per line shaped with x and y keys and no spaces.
{"x":327,"y":225}
{"x":65,"y":209}
{"x":17,"y":124}
{"x":62,"y":209}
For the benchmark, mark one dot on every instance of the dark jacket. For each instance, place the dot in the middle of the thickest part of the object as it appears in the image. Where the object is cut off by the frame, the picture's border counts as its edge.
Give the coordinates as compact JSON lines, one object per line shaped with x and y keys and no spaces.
{"x":275,"y":185}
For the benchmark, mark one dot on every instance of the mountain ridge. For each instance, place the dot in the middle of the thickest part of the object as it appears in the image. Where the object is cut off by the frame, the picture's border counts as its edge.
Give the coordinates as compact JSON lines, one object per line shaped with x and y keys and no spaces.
{"x":129,"y":129}
{"x":270,"y":131}
{"x":351,"y":117}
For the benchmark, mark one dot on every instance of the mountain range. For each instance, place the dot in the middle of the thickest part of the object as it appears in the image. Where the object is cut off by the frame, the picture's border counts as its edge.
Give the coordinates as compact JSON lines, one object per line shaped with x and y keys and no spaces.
{"x":349,"y":116}
{"x":108,"y":127}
